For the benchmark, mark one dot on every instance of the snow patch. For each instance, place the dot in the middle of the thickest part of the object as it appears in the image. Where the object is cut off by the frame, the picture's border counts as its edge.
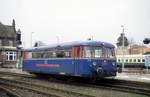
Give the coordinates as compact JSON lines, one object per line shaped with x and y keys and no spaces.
{"x":145,"y":78}
{"x":123,"y":76}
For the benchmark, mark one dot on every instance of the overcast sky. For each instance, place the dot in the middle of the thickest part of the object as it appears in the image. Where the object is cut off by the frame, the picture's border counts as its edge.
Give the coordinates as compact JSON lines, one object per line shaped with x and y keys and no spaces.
{"x":75,"y":20}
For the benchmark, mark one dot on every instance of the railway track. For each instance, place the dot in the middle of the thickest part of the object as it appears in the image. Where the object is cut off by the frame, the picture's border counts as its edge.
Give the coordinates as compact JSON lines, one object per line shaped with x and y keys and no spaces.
{"x":125,"y":86}
{"x":22,"y":92}
{"x":5,"y":92}
{"x":118,"y":85}
{"x":38,"y":88}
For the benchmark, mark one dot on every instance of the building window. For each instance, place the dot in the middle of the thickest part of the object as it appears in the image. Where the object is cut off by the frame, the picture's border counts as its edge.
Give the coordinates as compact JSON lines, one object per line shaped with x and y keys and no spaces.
{"x":139,"y":60}
{"x":143,"y":60}
{"x":130,"y":60}
{"x":10,"y":43}
{"x":126,"y":60}
{"x":122,"y":60}
{"x":118,"y":60}
{"x":11,"y":56}
{"x":134,"y":60}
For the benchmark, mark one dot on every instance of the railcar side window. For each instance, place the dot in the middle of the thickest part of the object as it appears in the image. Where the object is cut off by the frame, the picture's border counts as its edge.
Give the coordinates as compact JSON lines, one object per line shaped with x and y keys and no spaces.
{"x":29,"y":55}
{"x":49,"y":54}
{"x":87,"y":52}
{"x":34,"y":55}
{"x":37,"y":54}
{"x":93,"y":52}
{"x":97,"y":52}
{"x":53,"y":55}
{"x":67,"y":54}
{"x":59,"y":54}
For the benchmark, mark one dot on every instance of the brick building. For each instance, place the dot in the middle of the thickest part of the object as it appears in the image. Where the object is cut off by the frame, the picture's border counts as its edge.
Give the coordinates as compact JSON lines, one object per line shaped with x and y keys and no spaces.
{"x":9,"y":42}
{"x":139,"y":49}
{"x":134,"y":50}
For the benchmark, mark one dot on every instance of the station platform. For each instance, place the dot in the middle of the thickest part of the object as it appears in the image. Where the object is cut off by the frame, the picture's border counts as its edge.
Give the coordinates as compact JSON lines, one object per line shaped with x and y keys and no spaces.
{"x":134,"y":77}
{"x":13,"y":70}
{"x":121,"y":76}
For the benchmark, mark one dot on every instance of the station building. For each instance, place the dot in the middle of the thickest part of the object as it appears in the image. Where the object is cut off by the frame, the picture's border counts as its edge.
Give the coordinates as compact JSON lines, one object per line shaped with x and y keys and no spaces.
{"x":10,"y":39}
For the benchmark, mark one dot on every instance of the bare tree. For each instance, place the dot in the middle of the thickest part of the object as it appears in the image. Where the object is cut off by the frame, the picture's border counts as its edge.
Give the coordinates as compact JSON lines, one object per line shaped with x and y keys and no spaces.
{"x":131,"y":42}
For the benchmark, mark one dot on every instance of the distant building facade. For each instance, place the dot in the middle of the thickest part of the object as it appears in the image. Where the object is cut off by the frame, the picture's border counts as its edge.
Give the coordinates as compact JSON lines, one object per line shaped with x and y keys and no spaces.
{"x":121,"y":51}
{"x":134,"y":50}
{"x":139,"y":49}
{"x":10,"y":39}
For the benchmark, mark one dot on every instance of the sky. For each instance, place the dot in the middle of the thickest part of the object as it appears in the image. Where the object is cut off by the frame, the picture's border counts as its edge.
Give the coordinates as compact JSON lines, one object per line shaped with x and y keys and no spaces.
{"x":77,"y":20}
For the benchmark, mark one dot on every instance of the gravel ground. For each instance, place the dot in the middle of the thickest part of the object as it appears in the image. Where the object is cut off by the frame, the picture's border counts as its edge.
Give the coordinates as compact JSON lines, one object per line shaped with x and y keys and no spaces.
{"x":4,"y":93}
{"x":122,"y":76}
{"x":27,"y":93}
{"x":98,"y":92}
{"x":21,"y":92}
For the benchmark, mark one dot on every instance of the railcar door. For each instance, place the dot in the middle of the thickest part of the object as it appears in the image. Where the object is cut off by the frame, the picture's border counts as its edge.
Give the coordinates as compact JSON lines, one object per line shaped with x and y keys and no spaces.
{"x":75,"y":60}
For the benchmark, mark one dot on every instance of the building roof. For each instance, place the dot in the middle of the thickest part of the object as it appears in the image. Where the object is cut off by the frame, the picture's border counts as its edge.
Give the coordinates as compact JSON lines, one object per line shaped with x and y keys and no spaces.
{"x":138,"y":46}
{"x":7,"y":31}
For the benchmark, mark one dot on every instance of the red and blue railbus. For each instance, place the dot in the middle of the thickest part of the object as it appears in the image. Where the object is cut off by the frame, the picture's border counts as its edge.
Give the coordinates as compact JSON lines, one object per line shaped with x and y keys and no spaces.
{"x":83,"y":59}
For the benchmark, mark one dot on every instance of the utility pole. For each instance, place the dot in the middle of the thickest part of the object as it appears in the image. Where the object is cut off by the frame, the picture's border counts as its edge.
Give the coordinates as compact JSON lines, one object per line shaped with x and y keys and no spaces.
{"x":122,"y":47}
{"x":31,"y":38}
{"x":57,"y":37}
{"x":92,"y":36}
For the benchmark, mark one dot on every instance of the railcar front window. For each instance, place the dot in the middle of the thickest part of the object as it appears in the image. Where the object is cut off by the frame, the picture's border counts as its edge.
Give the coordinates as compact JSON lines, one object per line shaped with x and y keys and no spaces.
{"x":109,"y":52}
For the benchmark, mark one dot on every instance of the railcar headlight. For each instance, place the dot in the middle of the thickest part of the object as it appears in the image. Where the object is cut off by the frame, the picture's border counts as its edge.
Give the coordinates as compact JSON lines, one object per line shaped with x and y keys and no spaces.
{"x":94,"y":63}
{"x":113,"y":63}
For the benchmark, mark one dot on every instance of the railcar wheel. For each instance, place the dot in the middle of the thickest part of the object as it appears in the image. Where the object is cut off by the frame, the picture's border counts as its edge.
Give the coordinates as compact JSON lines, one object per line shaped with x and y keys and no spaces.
{"x":100,"y":73}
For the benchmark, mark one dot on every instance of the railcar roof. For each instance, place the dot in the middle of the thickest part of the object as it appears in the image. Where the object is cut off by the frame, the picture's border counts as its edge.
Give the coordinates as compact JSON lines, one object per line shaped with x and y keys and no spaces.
{"x":72,"y":44}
